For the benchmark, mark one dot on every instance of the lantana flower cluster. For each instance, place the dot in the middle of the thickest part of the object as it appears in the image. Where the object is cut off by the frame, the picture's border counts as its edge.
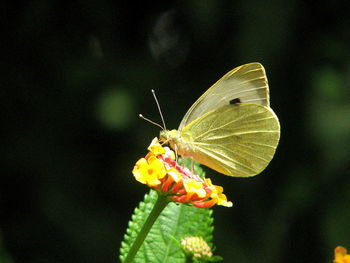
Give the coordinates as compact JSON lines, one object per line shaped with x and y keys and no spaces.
{"x":196,"y":246}
{"x":341,"y":255}
{"x":160,"y":171}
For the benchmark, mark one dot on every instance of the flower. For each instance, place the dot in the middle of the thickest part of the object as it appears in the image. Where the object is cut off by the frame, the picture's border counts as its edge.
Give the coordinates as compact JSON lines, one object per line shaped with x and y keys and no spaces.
{"x":159,"y":170}
{"x":340,"y":255}
{"x":149,"y":171}
{"x":196,"y":246}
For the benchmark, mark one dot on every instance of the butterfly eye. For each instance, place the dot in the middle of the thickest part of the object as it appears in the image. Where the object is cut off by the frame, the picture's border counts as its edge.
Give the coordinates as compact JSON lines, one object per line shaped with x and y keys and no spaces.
{"x":235,"y":101}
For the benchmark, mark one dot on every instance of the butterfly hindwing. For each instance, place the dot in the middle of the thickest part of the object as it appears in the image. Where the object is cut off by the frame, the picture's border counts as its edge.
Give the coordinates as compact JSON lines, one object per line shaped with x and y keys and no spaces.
{"x":236,"y":139}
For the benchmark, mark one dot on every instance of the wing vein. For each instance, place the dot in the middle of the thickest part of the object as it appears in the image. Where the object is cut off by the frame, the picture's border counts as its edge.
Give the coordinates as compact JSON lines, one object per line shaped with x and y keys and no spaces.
{"x":215,"y":156}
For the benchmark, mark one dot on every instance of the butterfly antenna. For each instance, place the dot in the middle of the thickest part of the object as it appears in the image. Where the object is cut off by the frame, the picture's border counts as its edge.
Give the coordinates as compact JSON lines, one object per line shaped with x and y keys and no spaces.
{"x":160,"y":111}
{"x":146,"y":119}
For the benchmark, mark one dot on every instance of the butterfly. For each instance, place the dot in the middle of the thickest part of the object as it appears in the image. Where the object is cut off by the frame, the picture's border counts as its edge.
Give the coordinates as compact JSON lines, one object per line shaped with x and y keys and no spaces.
{"x":231,"y":127}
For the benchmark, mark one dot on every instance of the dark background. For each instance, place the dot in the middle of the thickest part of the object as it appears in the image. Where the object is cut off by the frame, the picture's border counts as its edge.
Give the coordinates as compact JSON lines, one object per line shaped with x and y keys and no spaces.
{"x":74,"y":77}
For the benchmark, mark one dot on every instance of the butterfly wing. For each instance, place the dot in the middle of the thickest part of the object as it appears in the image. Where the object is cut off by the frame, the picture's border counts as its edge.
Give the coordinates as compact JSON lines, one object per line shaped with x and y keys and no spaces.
{"x":247,"y":84}
{"x":236,"y":140}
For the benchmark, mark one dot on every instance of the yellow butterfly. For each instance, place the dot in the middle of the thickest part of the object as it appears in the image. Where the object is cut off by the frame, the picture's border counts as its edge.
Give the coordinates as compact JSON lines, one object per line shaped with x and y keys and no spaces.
{"x":231,"y":127}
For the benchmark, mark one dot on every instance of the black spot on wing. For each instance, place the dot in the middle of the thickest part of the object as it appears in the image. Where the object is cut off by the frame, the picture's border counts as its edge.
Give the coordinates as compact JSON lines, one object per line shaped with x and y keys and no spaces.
{"x":235,"y":101}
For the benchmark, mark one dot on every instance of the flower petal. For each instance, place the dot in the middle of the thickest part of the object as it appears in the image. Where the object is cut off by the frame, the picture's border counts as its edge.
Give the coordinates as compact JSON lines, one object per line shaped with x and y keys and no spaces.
{"x":194,"y":187}
{"x":156,"y":148}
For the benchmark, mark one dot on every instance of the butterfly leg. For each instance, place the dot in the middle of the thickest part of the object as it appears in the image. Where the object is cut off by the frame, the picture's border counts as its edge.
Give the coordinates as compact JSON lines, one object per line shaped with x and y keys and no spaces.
{"x":176,"y":155}
{"x":192,"y":165}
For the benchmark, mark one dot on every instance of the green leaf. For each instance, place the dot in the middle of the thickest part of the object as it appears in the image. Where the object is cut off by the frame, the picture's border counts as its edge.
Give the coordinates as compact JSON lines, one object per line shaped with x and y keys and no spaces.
{"x":176,"y":221}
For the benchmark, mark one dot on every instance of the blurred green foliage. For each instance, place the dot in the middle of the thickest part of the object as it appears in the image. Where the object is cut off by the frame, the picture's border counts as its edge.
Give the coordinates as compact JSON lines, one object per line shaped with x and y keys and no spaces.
{"x":75,"y":75}
{"x":115,"y":108}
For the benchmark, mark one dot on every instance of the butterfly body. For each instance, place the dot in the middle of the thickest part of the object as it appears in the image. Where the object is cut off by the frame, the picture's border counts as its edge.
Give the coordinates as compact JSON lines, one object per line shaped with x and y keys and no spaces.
{"x":231,"y":127}
{"x":182,"y":145}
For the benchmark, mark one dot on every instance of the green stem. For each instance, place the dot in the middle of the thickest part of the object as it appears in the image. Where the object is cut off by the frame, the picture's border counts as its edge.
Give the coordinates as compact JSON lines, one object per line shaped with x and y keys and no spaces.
{"x":159,"y":205}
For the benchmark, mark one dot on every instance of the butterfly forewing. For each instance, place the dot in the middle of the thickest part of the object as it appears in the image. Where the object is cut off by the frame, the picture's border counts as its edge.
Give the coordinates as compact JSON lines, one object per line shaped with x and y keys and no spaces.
{"x":236,"y":140}
{"x":244,"y":84}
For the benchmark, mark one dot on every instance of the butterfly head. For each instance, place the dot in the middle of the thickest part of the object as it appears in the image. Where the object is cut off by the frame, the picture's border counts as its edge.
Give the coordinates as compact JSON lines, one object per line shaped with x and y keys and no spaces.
{"x":169,"y":136}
